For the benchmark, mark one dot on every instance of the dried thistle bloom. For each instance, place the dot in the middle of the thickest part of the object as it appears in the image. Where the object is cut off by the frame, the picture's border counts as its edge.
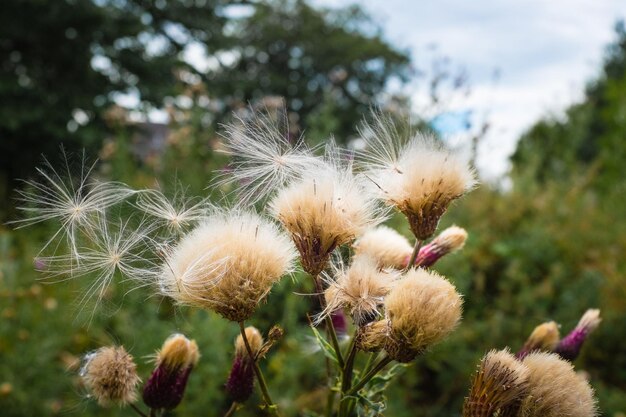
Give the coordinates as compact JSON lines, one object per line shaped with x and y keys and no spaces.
{"x":325,"y":209}
{"x":544,"y":337}
{"x":451,"y":239}
{"x":388,"y":247}
{"x":373,"y":336}
{"x":264,"y":157}
{"x":166,"y":386}
{"x":110,"y":374}
{"x":417,"y":176}
{"x":498,"y":387}
{"x":227,"y":264}
{"x":569,"y":347}
{"x":240,"y":383}
{"x":360,"y":289}
{"x":555,"y":390}
{"x":423,"y":308}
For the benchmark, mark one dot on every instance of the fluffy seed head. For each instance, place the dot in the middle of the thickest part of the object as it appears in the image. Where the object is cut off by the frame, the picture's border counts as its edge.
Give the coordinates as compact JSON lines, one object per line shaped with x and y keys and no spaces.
{"x":166,"y":386}
{"x":360,"y":289}
{"x":374,"y":336}
{"x":110,"y":374}
{"x":570,"y":346}
{"x":451,"y":239}
{"x":498,"y":387}
{"x":389,"y":248}
{"x":323,"y":210}
{"x":423,"y":308}
{"x":417,"y":176}
{"x":227,"y":264}
{"x":555,"y":390}
{"x":544,"y":337}
{"x":255,"y":339}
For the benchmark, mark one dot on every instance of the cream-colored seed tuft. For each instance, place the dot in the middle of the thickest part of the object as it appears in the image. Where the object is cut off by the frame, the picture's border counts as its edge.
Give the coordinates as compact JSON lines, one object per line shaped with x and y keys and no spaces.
{"x":110,"y":374}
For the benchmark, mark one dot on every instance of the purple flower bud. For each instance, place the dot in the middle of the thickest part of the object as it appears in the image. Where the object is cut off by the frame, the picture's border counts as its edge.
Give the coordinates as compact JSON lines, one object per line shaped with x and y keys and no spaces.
{"x":339,"y":322}
{"x":166,"y":386}
{"x":569,"y":347}
{"x":450,"y":240}
{"x":240,"y":383}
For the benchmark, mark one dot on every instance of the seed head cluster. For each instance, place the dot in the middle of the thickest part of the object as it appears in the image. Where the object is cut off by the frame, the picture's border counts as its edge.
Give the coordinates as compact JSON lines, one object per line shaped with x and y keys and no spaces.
{"x":389,"y":248}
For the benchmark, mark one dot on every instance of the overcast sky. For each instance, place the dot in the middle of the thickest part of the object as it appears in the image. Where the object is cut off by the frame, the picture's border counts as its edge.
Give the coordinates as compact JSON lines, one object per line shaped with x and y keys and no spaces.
{"x":544,"y":51}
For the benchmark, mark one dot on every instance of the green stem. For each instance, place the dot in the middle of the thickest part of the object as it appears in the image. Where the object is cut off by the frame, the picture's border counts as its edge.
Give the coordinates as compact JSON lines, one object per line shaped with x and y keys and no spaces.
{"x":370,"y":362}
{"x":138,"y":411}
{"x":416,"y":251}
{"x":231,"y":410}
{"x":377,"y":368}
{"x":257,"y":370}
{"x":346,"y":381}
{"x":330,"y":328}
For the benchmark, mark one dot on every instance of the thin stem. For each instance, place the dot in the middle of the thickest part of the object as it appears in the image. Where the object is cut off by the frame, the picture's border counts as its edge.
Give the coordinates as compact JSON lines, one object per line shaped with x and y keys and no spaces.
{"x":416,"y":251}
{"x":377,"y":368}
{"x":257,"y":370}
{"x":153,"y":412}
{"x":346,"y":381}
{"x":370,"y":362}
{"x":231,"y":410}
{"x":138,"y":411}
{"x":330,"y":327}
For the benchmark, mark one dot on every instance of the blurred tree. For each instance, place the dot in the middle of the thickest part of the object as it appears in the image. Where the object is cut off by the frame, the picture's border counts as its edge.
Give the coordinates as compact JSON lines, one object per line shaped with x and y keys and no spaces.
{"x":63,"y":63}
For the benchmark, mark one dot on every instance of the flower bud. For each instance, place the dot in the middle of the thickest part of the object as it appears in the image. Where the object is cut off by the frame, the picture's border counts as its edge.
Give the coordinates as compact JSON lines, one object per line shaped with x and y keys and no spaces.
{"x":544,"y":337}
{"x":110,"y":374}
{"x":450,"y":240}
{"x":166,"y":386}
{"x":570,"y":345}
{"x":240,"y":383}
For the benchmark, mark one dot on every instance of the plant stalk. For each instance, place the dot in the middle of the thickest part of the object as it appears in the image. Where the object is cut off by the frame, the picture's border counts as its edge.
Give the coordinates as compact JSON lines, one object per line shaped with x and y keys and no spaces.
{"x":257,"y":370}
{"x":138,"y":410}
{"x":346,"y":381}
{"x":231,"y":410}
{"x":377,"y":368}
{"x":416,"y":251}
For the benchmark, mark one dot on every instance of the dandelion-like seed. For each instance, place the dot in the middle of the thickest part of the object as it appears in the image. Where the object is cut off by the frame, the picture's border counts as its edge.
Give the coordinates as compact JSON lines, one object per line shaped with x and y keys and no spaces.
{"x":227,"y":264}
{"x":544,"y":337}
{"x":569,"y":347}
{"x":71,"y":201}
{"x":389,"y":248}
{"x":555,"y":390}
{"x":178,"y":214}
{"x":264,"y":158}
{"x":175,"y":361}
{"x":325,"y":209}
{"x":110,"y":374}
{"x":423,"y":308}
{"x":417,"y":176}
{"x":498,"y":387}
{"x":360,"y":289}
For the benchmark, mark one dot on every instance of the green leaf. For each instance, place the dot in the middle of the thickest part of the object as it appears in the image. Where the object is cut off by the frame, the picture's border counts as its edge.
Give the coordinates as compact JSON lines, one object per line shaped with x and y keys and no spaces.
{"x":327,"y":348}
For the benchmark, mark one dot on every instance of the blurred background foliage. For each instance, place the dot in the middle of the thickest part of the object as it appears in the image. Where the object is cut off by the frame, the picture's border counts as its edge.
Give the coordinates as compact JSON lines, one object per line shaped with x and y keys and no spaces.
{"x":548,"y":248}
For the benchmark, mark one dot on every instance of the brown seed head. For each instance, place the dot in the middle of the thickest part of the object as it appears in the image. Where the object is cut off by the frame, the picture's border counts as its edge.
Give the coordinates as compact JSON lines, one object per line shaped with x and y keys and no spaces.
{"x":228,"y":264}
{"x":110,"y":374}
{"x":555,"y":390}
{"x":423,"y":308}
{"x":389,"y":248}
{"x":360,"y":289}
{"x":323,"y":210}
{"x":498,"y":387}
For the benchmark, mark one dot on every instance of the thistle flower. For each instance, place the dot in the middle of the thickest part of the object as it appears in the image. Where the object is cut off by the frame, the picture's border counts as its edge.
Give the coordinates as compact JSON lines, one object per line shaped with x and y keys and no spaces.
{"x":389,"y":248}
{"x":240,"y":383}
{"x":423,"y":308}
{"x":544,"y":337}
{"x":227,"y":264}
{"x":373,"y":336}
{"x":555,"y":390}
{"x":569,"y":347}
{"x":166,"y":386}
{"x":264,"y":158}
{"x":110,"y":374}
{"x":360,"y":289}
{"x":417,"y":176}
{"x":71,"y":201}
{"x":498,"y":387}
{"x":340,"y":323}
{"x":451,"y":239}
{"x":325,"y":209}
